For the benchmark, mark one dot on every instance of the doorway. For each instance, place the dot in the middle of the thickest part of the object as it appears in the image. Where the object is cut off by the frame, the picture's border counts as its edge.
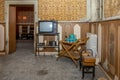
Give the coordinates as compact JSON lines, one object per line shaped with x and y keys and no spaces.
{"x":21,"y":26}
{"x":18,"y":2}
{"x":24,"y":26}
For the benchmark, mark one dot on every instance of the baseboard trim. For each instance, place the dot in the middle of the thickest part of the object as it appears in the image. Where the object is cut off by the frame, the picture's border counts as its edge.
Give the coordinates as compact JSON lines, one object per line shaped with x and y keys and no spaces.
{"x":109,"y":78}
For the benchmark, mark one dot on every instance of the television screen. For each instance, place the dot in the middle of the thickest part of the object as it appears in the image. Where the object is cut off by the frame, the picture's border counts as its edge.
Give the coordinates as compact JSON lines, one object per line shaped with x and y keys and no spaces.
{"x":46,"y":26}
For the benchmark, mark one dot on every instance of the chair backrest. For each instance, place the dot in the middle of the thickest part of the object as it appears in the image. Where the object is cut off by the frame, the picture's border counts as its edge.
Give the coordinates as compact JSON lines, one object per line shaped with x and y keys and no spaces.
{"x":84,"y":40}
{"x":87,"y":52}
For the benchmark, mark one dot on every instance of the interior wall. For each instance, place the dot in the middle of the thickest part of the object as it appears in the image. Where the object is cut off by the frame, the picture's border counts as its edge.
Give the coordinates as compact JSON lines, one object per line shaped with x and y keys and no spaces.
{"x":111,"y":8}
{"x":68,"y":28}
{"x":1,"y":10}
{"x":62,"y":10}
{"x":109,"y":47}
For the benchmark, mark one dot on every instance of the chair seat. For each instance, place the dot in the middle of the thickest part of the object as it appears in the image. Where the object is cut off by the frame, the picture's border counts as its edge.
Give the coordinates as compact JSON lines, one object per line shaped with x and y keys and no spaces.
{"x":89,"y":59}
{"x":87,"y":63}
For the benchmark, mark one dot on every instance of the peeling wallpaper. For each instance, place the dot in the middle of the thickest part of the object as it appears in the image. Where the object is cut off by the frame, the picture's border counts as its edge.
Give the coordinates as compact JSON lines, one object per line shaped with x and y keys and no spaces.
{"x":1,"y":10}
{"x":111,"y":8}
{"x":62,"y":9}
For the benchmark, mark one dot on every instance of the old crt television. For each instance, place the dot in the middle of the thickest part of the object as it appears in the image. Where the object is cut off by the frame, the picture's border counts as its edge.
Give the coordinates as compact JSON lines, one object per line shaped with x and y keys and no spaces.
{"x":47,"y":27}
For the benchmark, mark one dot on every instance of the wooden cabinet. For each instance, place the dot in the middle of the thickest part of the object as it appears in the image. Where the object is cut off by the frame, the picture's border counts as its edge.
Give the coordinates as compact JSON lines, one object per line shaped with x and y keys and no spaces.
{"x":25,"y":22}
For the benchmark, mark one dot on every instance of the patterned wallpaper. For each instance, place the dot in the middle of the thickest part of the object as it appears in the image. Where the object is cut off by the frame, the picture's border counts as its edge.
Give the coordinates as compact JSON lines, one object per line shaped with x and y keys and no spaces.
{"x":111,"y":8}
{"x":1,"y":10}
{"x":61,"y":9}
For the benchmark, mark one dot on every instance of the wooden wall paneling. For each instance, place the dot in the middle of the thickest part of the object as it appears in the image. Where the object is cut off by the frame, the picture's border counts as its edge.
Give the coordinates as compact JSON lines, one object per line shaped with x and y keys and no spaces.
{"x":67,"y":29}
{"x":106,"y":35}
{"x":110,"y":60}
{"x":111,"y":48}
{"x":94,"y":28}
{"x":104,"y":48}
{"x":84,"y":29}
{"x":117,"y":43}
{"x":106,"y":40}
{"x":116,"y":25}
{"x":102,"y":43}
{"x":96,"y":25}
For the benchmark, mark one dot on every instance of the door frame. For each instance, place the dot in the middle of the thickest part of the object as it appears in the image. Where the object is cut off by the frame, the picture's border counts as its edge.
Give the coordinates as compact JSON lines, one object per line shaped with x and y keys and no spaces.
{"x":14,"y":2}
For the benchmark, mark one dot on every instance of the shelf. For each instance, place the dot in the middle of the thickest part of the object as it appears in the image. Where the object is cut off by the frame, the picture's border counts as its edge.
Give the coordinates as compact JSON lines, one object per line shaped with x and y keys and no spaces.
{"x":25,"y":23}
{"x":39,"y":46}
{"x":51,"y":42}
{"x":48,"y":34}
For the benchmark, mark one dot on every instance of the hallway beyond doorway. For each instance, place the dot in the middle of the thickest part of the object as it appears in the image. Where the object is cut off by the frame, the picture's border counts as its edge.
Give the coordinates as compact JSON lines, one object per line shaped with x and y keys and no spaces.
{"x":25,"y":44}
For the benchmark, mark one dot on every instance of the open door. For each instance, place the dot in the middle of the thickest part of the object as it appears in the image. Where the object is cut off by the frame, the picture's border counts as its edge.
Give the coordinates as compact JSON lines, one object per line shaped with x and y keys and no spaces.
{"x":12,"y":29}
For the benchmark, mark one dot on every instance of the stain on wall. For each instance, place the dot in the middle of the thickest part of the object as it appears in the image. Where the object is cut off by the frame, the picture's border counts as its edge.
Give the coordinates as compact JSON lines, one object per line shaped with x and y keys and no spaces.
{"x":1,"y":10}
{"x":111,"y":8}
{"x":61,"y":9}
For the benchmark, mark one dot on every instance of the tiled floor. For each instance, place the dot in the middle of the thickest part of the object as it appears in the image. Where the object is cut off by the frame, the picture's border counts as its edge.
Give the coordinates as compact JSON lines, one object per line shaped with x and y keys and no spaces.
{"x":24,"y":65}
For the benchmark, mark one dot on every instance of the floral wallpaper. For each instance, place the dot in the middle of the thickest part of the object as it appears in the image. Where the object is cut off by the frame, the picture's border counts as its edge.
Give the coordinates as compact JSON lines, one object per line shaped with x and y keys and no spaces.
{"x":1,"y":10}
{"x":61,"y":9}
{"x":111,"y":8}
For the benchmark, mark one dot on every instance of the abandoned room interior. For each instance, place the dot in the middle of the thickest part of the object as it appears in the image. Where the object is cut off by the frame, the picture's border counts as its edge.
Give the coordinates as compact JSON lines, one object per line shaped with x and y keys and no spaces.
{"x":59,"y":39}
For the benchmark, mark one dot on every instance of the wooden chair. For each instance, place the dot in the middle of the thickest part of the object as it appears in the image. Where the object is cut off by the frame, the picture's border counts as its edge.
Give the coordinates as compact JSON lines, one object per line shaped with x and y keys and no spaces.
{"x":71,"y":50}
{"x":87,"y":62}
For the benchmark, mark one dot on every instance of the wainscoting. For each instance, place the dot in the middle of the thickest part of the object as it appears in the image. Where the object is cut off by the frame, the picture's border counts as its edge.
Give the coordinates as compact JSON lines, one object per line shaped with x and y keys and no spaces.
{"x":2,"y":39}
{"x":108,"y":45}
